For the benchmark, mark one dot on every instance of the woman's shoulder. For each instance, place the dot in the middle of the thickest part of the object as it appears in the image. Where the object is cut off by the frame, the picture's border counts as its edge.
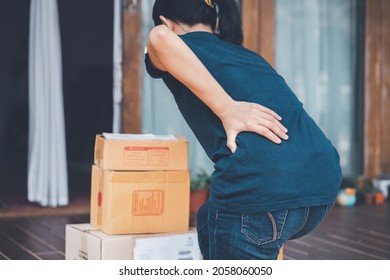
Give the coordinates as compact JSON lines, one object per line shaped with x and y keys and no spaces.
{"x":211,"y":44}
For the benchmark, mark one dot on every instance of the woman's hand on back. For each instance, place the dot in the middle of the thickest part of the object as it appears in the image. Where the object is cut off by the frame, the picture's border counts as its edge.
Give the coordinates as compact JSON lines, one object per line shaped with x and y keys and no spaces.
{"x":242,"y":116}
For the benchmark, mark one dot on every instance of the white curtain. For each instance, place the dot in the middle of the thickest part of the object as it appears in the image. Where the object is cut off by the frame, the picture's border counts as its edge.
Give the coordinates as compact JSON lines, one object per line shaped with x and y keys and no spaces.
{"x":117,"y":67}
{"x":47,"y":165}
{"x":160,"y":114}
{"x":316,"y":54}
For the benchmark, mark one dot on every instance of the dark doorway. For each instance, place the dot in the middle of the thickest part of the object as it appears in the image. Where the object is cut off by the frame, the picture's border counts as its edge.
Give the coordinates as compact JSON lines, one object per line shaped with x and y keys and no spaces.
{"x":86,"y":39}
{"x":87,"y":51}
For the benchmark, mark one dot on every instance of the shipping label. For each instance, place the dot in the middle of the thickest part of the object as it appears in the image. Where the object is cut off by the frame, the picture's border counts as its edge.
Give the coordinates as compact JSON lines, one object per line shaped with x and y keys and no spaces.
{"x":148,"y":203}
{"x":146,"y":156}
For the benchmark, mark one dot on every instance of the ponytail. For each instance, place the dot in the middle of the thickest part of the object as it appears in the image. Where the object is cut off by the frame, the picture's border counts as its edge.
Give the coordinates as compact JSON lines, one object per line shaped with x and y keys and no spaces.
{"x":229,"y":21}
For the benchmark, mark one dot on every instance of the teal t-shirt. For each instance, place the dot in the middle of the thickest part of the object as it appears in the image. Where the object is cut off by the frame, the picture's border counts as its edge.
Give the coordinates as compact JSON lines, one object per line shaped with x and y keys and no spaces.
{"x":261,"y":175}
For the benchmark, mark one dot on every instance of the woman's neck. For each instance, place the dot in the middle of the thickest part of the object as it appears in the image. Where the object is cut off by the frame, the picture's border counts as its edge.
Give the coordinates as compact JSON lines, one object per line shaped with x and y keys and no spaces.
{"x":183,"y":28}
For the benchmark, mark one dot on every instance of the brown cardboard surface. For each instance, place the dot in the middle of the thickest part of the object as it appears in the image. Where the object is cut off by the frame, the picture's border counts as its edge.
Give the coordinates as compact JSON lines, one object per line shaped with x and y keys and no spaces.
{"x":128,"y":202}
{"x":141,"y":154}
{"x":83,"y":241}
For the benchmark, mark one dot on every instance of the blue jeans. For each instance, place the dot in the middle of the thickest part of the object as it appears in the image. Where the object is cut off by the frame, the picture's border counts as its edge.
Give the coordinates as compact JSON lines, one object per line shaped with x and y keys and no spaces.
{"x":256,"y":236}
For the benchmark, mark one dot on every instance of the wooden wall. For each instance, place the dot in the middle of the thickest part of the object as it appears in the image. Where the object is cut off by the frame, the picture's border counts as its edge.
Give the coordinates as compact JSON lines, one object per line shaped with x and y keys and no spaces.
{"x":132,"y":68}
{"x":377,"y":89}
{"x":258,"y":22}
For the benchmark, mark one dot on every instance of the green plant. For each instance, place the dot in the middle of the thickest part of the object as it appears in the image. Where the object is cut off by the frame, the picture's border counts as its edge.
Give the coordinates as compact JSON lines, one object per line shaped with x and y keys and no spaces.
{"x":201,"y":181}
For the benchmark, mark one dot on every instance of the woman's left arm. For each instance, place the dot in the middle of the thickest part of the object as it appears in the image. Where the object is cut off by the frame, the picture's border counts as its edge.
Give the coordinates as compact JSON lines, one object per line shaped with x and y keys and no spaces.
{"x":169,"y":53}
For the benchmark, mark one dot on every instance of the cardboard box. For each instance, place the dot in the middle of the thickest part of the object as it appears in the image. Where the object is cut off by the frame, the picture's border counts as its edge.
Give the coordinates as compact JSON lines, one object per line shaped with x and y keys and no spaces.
{"x":83,"y":241}
{"x":128,"y":202}
{"x":141,"y":152}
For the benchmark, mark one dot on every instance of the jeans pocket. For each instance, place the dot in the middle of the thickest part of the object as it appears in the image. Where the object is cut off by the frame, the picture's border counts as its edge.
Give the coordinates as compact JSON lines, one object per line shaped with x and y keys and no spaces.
{"x":262,"y":228}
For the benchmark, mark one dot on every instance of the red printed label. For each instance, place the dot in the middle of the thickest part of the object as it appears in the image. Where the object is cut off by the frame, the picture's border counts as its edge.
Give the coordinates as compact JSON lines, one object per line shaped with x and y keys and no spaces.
{"x":148,"y":203}
{"x":99,"y":198}
{"x":145,"y":156}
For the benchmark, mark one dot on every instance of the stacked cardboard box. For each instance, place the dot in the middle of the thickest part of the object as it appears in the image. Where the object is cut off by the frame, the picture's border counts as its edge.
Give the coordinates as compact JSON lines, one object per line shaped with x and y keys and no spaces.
{"x":140,"y":185}
{"x":85,"y":242}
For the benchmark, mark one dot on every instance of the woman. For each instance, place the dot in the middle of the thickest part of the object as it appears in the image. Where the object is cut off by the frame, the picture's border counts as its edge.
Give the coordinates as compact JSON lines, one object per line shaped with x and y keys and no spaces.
{"x":267,"y":187}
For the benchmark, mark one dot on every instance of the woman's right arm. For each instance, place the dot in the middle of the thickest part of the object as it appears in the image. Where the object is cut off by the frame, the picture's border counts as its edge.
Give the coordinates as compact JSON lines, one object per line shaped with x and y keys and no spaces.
{"x":169,"y":53}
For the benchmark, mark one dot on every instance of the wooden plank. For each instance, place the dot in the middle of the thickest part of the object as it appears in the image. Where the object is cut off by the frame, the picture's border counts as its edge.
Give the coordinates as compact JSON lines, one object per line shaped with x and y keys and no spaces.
{"x":24,"y":239}
{"x":377,"y":89}
{"x":42,"y":237}
{"x":250,"y":23}
{"x":258,"y":23}
{"x":357,"y":235}
{"x":131,"y":101}
{"x":340,"y":251}
{"x":55,"y":241}
{"x":52,"y":256}
{"x":42,"y":211}
{"x":3,"y":257}
{"x":372,"y":57}
{"x":267,"y":24}
{"x":57,"y":225}
{"x":385,"y":87}
{"x":315,"y":250}
{"x":295,"y":249}
{"x":12,"y":250}
{"x":357,"y":217}
{"x":360,"y":232}
{"x":363,"y":248}
{"x":327,"y":245}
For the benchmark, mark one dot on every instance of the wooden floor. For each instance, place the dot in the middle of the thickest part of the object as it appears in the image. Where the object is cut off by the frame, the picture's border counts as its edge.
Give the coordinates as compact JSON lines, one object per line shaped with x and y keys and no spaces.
{"x":360,"y":232}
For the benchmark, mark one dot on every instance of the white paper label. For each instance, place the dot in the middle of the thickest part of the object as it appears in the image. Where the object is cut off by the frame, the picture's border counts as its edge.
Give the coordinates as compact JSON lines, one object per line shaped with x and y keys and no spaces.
{"x":118,"y":136}
{"x":174,"y":247}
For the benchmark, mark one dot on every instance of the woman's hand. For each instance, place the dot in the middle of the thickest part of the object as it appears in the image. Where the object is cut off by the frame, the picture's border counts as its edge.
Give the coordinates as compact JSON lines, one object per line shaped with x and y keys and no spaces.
{"x":241,"y":116}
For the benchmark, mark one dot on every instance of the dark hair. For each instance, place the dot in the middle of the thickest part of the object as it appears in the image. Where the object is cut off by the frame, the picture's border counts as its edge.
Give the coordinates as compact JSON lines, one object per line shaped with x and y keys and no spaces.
{"x":192,"y":12}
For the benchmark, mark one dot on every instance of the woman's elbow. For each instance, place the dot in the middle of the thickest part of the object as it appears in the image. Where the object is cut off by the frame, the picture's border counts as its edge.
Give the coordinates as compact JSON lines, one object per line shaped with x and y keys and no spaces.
{"x":158,"y":36}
